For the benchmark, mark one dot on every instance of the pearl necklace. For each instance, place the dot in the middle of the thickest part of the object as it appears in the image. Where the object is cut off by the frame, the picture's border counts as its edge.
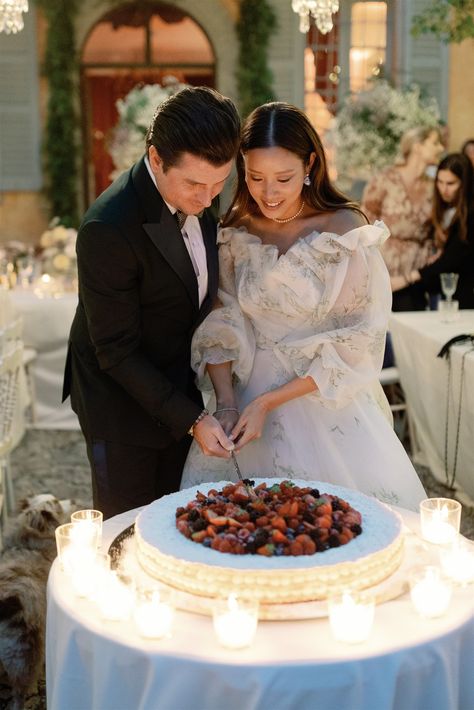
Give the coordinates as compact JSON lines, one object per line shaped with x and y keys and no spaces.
{"x":289,"y":219}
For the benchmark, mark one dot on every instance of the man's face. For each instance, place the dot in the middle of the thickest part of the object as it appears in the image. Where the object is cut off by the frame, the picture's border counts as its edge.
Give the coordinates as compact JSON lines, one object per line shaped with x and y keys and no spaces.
{"x":191,"y":184}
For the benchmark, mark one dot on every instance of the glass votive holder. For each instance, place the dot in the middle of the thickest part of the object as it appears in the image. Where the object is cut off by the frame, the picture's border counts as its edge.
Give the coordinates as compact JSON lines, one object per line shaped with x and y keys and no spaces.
{"x":351,"y":616}
{"x":115,"y":597}
{"x":430,"y":591}
{"x":87,"y":579}
{"x":89,"y":525}
{"x":235,"y":621}
{"x":457,"y":560}
{"x":449,"y":311}
{"x":153,"y":613}
{"x":440,"y":519}
{"x":73,"y":551}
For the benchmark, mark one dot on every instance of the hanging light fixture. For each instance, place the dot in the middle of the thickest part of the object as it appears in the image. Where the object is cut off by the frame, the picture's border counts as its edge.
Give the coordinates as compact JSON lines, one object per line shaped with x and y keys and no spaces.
{"x":320,"y":10}
{"x":11,"y":15}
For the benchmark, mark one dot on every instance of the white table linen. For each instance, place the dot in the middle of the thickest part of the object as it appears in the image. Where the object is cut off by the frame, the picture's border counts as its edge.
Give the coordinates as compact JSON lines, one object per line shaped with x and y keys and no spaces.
{"x":408,"y":662}
{"x":417,"y":338}
{"x":46,"y":325}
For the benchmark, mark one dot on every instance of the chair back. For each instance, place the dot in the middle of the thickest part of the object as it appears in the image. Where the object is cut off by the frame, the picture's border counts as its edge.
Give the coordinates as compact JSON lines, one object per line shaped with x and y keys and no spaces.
{"x":10,"y":364}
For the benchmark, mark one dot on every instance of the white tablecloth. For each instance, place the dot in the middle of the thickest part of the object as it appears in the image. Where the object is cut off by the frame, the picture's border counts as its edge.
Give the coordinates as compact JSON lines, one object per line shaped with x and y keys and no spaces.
{"x":407,"y":664}
{"x":417,"y":338}
{"x":46,"y":325}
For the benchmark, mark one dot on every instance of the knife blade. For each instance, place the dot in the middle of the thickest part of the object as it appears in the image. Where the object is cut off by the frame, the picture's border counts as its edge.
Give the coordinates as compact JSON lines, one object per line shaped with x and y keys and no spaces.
{"x":236,"y":466}
{"x":249,"y":488}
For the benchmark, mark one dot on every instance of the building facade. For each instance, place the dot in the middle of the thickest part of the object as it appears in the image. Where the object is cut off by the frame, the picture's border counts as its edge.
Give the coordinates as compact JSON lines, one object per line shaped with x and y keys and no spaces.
{"x":118,"y":46}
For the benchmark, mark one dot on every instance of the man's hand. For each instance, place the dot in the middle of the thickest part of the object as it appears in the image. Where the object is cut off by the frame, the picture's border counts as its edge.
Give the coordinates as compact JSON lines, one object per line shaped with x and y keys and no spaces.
{"x":227,"y":418}
{"x":212,"y":438}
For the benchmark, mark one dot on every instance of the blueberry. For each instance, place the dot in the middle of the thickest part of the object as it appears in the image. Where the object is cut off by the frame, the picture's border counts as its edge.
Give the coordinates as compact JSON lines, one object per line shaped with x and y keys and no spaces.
{"x":279,"y":550}
{"x":300,"y":529}
{"x":207,"y":542}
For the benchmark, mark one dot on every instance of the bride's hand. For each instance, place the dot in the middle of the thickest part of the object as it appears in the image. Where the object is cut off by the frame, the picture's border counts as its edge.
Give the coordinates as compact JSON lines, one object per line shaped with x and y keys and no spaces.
{"x":250,"y":424}
{"x":227,"y":418}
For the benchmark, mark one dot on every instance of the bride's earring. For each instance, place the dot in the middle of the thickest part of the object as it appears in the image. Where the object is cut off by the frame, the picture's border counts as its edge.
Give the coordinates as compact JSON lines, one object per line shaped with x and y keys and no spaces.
{"x":307,"y":180}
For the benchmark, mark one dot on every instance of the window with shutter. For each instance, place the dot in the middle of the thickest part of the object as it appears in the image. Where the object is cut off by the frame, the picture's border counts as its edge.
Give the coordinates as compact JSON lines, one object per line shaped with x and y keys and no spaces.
{"x":20,"y":151}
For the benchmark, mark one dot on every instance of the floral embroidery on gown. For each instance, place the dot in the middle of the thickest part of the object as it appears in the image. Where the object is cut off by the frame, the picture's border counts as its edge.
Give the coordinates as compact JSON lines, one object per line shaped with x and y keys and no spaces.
{"x":321,"y":309}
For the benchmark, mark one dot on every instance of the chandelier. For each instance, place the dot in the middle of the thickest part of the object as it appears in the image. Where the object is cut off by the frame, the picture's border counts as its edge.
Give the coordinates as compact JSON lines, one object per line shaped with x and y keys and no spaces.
{"x":11,"y":17}
{"x":320,"y":10}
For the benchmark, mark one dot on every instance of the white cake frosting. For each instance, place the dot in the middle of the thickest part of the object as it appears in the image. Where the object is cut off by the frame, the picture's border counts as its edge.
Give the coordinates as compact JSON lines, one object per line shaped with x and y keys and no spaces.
{"x":367,"y":559}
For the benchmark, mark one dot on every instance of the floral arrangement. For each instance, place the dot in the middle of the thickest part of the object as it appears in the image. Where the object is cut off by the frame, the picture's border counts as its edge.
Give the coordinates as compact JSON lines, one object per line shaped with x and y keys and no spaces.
{"x":136,"y":111}
{"x":366,"y":132}
{"x":58,"y":249}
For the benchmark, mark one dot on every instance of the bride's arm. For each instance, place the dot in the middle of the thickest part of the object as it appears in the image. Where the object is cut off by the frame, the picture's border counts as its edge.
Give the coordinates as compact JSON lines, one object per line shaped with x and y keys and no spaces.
{"x":226,"y":410}
{"x":252,"y":419}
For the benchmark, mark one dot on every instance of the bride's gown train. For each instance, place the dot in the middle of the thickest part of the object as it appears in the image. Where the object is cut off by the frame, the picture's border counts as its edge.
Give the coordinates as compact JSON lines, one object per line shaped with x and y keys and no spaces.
{"x":320,"y":309}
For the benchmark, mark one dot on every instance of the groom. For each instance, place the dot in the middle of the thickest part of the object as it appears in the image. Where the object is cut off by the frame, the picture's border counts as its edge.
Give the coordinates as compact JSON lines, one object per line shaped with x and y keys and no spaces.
{"x":148,"y":274}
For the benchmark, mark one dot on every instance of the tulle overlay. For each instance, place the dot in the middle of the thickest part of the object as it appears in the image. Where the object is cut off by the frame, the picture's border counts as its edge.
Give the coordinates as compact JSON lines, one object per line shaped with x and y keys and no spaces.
{"x":320,"y":310}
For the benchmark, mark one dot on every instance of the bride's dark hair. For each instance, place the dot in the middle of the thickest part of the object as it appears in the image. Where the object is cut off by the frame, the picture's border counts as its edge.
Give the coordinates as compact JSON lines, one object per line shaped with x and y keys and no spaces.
{"x":281,"y":125}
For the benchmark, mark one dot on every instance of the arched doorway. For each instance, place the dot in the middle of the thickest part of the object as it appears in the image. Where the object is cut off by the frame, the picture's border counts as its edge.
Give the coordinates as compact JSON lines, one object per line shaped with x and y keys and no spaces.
{"x":130,"y":45}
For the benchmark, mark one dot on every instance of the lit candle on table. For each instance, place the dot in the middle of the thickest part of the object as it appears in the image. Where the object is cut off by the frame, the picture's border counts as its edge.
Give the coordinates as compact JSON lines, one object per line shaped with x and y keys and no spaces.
{"x":351,"y":616}
{"x":430,"y":592}
{"x":114,"y":598}
{"x":235,"y":622}
{"x":440,"y":520}
{"x":457,"y":561}
{"x":153,"y":615}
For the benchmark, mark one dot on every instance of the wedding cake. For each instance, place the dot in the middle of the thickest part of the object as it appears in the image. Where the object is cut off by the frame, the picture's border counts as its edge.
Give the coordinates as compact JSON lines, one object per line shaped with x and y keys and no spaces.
{"x":167,"y":551}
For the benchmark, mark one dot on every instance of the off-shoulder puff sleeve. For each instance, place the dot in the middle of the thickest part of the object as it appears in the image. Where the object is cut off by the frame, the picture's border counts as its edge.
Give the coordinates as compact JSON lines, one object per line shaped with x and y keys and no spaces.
{"x":343,"y":344}
{"x":225,"y":334}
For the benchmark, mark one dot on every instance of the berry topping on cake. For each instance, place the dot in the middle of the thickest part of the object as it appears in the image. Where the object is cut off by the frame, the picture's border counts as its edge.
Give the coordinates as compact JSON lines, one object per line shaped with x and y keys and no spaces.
{"x":279,"y":520}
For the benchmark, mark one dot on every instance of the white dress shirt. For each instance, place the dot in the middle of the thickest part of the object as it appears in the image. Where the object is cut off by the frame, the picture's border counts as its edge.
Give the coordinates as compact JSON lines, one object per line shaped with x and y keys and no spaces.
{"x":194,"y":242}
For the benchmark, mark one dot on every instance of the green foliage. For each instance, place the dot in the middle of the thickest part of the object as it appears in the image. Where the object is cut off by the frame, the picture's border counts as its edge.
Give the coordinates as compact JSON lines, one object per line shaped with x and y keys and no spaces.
{"x":448,"y":20}
{"x":60,"y":142}
{"x":256,"y":24}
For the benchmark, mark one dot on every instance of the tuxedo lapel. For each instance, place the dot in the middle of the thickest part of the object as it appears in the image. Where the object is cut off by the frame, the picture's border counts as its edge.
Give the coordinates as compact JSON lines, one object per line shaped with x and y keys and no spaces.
{"x":163,"y":230}
{"x":167,"y":238}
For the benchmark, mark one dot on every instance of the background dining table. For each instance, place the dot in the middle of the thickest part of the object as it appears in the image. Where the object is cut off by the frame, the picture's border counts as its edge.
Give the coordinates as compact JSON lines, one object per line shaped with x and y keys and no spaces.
{"x":46,"y":324}
{"x":408,"y":663}
{"x":444,"y":431}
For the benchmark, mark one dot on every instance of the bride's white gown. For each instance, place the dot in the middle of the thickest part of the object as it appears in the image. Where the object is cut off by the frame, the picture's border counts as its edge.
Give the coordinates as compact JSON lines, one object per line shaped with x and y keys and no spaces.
{"x":321,"y":310}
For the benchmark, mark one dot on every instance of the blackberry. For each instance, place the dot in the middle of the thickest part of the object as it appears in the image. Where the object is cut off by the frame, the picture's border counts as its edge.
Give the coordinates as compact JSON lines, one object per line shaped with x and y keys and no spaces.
{"x":321,"y":546}
{"x":180,"y":511}
{"x":314,"y":535}
{"x":336,"y":504}
{"x":356,"y":529}
{"x":251,"y":546}
{"x":193,"y":515}
{"x":248,"y":482}
{"x":315,"y":493}
{"x":199,"y":524}
{"x":333,"y":541}
{"x":308,"y":517}
{"x":337,"y":526}
{"x":253,"y":515}
{"x":261,"y":537}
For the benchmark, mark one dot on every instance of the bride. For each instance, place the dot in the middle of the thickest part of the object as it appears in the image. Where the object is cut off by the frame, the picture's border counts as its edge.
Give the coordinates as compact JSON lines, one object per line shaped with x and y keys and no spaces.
{"x":294,"y":346}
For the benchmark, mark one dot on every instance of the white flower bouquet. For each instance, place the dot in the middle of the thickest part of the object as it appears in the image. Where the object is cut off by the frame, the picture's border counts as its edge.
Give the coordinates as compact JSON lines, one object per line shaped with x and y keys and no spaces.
{"x":366,"y":132}
{"x":58,"y":249}
{"x":136,"y":111}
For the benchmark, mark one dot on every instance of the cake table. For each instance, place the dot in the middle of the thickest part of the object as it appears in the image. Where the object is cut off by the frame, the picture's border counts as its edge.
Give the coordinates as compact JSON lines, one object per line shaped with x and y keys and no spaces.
{"x":408,"y":662}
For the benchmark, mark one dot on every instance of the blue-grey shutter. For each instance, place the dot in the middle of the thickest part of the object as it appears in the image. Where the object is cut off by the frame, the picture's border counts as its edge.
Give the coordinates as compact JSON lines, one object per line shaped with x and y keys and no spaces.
{"x":20,"y":150}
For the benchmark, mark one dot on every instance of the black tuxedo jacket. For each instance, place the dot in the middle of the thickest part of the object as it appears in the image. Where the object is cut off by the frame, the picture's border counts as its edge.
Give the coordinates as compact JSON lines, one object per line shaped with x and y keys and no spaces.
{"x":128,"y":367}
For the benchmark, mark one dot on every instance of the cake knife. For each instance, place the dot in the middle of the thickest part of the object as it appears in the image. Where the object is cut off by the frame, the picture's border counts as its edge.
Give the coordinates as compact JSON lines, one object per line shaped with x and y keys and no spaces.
{"x":249,"y":488}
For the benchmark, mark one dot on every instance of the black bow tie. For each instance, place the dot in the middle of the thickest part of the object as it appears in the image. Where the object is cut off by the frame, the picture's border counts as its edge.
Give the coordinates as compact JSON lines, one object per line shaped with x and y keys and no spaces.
{"x":180,"y":218}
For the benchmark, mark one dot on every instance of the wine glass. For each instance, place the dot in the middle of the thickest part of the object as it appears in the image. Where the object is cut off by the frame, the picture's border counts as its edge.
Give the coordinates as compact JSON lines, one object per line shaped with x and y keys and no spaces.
{"x":449,"y":283}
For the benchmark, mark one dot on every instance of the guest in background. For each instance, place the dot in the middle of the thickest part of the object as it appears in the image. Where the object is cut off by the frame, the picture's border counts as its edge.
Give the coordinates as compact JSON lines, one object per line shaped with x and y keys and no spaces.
{"x":467,"y":149}
{"x":401,"y":196}
{"x":452,"y":231}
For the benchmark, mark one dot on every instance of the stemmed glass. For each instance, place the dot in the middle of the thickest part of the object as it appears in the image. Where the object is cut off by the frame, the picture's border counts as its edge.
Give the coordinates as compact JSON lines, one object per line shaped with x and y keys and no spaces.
{"x":449,"y":283}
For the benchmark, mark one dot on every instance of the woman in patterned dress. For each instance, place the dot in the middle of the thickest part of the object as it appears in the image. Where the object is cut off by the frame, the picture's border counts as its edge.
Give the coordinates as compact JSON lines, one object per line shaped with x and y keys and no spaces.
{"x":401,"y":196}
{"x":294,"y":347}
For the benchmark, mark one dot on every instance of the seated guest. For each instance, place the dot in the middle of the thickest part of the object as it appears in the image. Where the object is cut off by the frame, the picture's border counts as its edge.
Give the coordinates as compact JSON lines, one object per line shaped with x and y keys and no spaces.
{"x":467,"y":149}
{"x":452,"y":231}
{"x":401,"y":197}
